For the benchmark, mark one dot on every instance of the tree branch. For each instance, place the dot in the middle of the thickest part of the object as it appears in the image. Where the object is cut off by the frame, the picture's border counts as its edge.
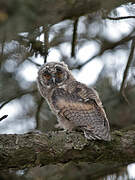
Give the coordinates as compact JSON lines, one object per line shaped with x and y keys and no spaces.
{"x":3,"y":117}
{"x":33,"y":14}
{"x":16,"y":96}
{"x":107,"y":46}
{"x":40,"y":103}
{"x":131,"y":55}
{"x":74,"y":37}
{"x":30,"y":60}
{"x":46,"y":42}
{"x":120,"y":18}
{"x":32,"y":149}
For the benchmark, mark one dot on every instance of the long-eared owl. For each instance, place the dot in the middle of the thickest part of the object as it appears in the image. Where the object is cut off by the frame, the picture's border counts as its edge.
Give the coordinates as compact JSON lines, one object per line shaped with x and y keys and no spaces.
{"x":75,"y":105}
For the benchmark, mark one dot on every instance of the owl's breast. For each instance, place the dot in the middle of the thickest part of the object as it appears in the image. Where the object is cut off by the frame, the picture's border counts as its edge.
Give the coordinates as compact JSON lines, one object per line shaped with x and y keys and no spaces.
{"x":58,"y":95}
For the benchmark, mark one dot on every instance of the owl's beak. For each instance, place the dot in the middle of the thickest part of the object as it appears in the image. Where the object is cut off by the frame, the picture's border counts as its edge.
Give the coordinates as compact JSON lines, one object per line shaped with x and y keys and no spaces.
{"x":53,"y":79}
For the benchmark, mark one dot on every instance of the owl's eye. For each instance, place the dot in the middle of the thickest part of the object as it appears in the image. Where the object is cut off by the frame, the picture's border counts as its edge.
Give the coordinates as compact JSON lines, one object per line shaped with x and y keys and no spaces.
{"x":58,"y":69}
{"x":47,"y":75}
{"x":59,"y":73}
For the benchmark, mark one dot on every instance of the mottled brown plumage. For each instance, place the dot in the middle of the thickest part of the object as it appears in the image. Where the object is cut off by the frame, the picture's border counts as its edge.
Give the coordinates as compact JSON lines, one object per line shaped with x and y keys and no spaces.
{"x":75,"y":105}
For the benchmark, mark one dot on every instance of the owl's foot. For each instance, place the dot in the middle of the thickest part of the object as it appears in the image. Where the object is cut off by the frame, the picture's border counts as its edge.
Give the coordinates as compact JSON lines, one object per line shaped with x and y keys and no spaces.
{"x":58,"y":126}
{"x":35,"y":131}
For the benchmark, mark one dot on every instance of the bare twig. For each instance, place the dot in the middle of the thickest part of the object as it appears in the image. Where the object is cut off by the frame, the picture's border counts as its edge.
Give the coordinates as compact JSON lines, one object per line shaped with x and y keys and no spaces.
{"x":3,"y":117}
{"x":2,"y":50}
{"x":120,"y":18}
{"x":46,"y":42}
{"x":130,"y":58}
{"x":40,"y":103}
{"x":86,"y":62}
{"x":74,"y":37}
{"x":17,"y":96}
{"x":33,"y":62}
{"x":114,"y":97}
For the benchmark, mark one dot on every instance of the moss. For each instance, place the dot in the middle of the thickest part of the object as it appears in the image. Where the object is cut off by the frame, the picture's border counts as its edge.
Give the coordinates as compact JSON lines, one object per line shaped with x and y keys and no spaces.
{"x":118,"y":133}
{"x":71,"y":2}
{"x":21,"y":157}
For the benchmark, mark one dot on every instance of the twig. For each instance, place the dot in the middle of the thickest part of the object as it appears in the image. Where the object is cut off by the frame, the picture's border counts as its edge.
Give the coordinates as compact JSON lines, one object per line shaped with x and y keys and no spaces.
{"x":33,"y":62}
{"x":74,"y":37}
{"x":120,"y":18}
{"x":130,"y":58}
{"x":114,"y":97}
{"x":17,"y":96}
{"x":2,"y":50}
{"x":46,"y":42}
{"x":3,"y":117}
{"x":38,"y":112}
{"x":86,"y":62}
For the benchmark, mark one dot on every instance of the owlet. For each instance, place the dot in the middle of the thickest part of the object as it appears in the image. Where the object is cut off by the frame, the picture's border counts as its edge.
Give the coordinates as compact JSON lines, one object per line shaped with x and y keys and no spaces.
{"x":75,"y":105}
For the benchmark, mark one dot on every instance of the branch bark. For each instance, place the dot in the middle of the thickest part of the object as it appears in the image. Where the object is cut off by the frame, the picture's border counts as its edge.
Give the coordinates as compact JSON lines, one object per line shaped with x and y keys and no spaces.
{"x":32,"y":149}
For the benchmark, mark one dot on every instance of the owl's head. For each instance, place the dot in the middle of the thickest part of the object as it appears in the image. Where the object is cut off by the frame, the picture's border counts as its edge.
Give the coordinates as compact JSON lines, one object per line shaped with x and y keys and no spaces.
{"x":54,"y":74}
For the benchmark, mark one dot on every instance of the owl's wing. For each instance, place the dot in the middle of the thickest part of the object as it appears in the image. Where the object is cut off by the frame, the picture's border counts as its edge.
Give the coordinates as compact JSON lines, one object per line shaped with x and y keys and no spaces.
{"x":87,"y":115}
{"x":101,"y":121}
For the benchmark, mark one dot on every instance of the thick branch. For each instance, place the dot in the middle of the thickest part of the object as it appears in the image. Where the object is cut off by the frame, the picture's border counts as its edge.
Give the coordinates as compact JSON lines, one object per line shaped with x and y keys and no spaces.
{"x":32,"y":149}
{"x":23,"y":16}
{"x":40,"y":103}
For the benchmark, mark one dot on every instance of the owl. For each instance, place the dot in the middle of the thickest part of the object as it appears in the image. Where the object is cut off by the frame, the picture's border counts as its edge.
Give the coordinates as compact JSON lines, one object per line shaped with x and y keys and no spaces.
{"x":75,"y":105}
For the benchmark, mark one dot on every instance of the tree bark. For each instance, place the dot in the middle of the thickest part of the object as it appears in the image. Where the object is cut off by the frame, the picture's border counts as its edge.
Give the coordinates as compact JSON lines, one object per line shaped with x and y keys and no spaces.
{"x":23,"y":16}
{"x":35,"y":149}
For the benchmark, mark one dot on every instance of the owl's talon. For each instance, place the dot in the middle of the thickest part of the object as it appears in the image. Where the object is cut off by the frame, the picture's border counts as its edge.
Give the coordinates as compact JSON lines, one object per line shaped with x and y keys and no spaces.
{"x":67,"y":131}
{"x":35,"y":131}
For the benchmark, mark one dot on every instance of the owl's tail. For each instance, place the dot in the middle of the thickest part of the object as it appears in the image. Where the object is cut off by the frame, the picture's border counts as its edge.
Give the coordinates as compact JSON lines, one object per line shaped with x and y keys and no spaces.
{"x":91,"y":136}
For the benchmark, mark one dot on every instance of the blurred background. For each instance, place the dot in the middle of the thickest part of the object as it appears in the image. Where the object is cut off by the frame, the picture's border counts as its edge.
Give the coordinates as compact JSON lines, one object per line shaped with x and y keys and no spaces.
{"x":99,"y":50}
